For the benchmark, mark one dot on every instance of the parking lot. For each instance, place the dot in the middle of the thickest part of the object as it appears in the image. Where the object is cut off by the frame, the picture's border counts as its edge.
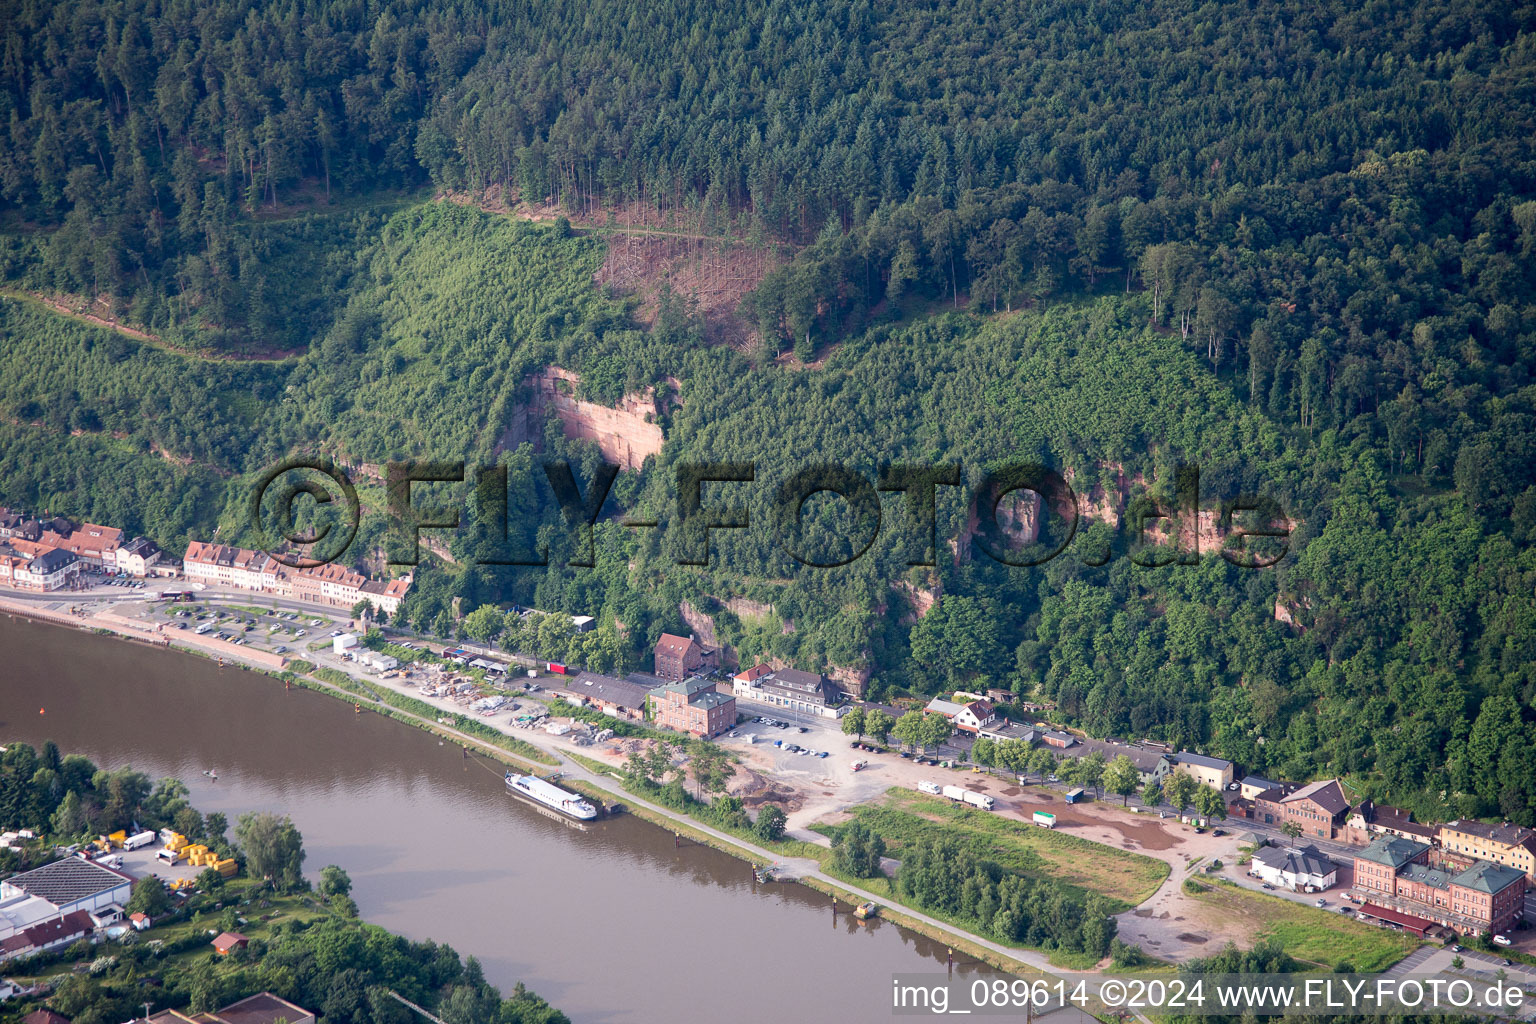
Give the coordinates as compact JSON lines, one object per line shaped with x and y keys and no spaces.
{"x":786,"y":737}
{"x":277,"y":630}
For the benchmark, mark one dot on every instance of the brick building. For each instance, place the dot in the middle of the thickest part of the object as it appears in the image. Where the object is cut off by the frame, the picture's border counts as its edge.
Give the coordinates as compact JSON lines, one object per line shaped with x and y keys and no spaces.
{"x":693,"y":706}
{"x":1318,"y":807}
{"x":679,"y":657}
{"x":1424,"y":889}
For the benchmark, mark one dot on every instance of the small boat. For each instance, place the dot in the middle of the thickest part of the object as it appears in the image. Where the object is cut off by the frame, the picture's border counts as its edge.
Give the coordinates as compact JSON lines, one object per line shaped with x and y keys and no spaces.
{"x":212,"y":773}
{"x":865,"y":911}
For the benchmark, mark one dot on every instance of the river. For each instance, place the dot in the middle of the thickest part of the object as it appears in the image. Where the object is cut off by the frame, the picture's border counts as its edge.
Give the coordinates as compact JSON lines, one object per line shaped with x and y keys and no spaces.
{"x":615,"y":924}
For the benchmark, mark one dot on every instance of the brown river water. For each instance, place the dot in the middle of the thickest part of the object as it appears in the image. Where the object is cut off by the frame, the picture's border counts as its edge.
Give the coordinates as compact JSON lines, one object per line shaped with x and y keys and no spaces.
{"x":614,"y":924}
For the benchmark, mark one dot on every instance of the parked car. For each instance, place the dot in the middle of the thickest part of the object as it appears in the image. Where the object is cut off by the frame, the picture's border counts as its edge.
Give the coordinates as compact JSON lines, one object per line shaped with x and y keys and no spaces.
{"x":1321,"y":903}
{"x":1268,"y":886}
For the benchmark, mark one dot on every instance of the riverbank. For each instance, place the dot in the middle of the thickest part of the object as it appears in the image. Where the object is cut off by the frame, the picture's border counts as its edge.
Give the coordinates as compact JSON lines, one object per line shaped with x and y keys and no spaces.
{"x":163,"y":960}
{"x":805,"y":870}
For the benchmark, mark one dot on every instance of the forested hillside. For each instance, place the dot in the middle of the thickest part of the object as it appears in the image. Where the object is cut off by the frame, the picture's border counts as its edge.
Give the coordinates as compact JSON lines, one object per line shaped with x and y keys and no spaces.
{"x":1292,"y":244}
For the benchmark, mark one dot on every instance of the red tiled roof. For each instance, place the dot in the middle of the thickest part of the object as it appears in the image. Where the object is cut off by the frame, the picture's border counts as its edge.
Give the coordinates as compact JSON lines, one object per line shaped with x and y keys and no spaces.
{"x":228,"y":941}
{"x":44,"y":1016}
{"x":674,"y":644}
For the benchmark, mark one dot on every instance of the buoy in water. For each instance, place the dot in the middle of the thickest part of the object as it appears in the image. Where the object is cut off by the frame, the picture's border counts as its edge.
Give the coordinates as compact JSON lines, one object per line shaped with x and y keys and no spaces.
{"x":42,"y":711}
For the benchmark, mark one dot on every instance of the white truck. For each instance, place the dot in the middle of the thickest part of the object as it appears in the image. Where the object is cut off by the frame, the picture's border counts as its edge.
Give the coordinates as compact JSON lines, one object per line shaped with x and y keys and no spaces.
{"x":980,"y":800}
{"x":955,"y":793}
{"x":929,"y":787}
{"x":139,"y":841}
{"x":1045,"y":820}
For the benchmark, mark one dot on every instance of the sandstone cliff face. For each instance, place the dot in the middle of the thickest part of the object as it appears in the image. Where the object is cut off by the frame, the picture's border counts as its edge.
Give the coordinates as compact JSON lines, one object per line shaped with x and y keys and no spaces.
{"x":920,"y":600}
{"x":626,"y":434}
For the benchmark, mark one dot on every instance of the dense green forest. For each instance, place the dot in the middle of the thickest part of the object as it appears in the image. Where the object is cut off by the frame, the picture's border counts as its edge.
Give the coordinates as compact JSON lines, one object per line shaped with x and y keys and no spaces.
{"x":1291,"y":245}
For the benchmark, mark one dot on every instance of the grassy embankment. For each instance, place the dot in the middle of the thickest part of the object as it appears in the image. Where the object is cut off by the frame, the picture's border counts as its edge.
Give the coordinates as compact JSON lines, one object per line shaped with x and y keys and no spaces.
{"x":1082,"y":866}
{"x":1306,"y":933}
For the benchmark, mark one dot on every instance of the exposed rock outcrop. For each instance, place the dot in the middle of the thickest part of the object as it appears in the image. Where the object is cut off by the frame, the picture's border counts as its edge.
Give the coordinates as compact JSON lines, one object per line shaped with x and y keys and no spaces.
{"x":626,"y":434}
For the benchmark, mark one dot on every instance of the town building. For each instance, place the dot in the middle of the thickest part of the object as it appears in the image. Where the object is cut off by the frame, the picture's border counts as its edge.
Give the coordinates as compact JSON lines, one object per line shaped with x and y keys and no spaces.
{"x":678,"y":657}
{"x":1513,"y":845}
{"x":1057,"y":738}
{"x":1371,"y":819}
{"x":1252,"y":785}
{"x":789,"y":689}
{"x":939,"y":706}
{"x":617,"y":697}
{"x":45,"y":1016}
{"x":222,"y":565}
{"x":1307,"y":868}
{"x":1423,"y":892}
{"x":385,"y":595}
{"x":1318,"y":808}
{"x":96,"y":546}
{"x":1004,"y":729}
{"x":693,"y":706}
{"x":46,"y":935}
{"x":975,"y":716}
{"x":59,"y":888}
{"x":50,"y":569}
{"x":138,"y":557}
{"x":263,"y":1008}
{"x":1215,"y":772}
{"x":244,"y":569}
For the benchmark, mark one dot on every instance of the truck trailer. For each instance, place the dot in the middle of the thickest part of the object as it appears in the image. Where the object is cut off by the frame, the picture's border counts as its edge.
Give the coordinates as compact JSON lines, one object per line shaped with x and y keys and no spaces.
{"x":954,"y":793}
{"x":980,"y":800}
{"x":1045,"y":820}
{"x":141,"y":840}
